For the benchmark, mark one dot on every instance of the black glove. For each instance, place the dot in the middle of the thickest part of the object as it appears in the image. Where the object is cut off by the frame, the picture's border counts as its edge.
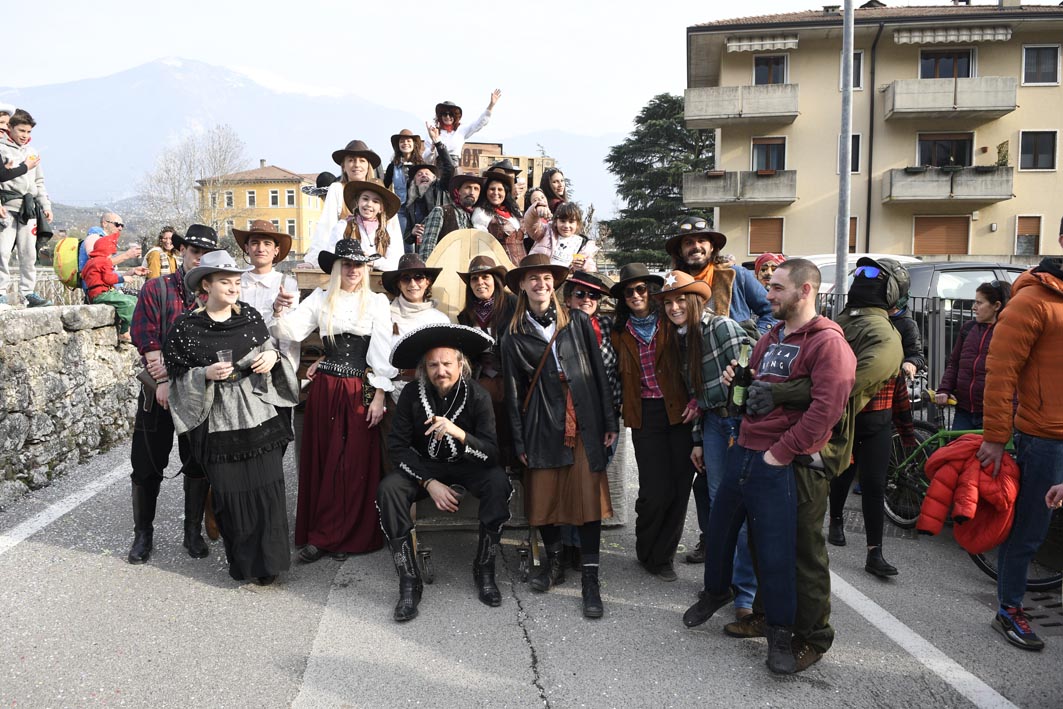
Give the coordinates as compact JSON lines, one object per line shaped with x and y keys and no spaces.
{"x":759,"y":400}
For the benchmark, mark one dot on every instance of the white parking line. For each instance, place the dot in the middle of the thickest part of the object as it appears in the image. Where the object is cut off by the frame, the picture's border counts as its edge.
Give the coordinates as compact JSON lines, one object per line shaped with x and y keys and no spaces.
{"x":978,"y":692}
{"x":39,"y":521}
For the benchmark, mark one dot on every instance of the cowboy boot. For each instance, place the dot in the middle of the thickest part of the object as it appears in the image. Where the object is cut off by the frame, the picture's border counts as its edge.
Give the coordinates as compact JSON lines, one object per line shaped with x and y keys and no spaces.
{"x":781,"y":659}
{"x":410,"y":586}
{"x":552,"y":573}
{"x":144,"y":498}
{"x":210,"y":524}
{"x":483,"y":568}
{"x":592,"y":596}
{"x":195,"y":501}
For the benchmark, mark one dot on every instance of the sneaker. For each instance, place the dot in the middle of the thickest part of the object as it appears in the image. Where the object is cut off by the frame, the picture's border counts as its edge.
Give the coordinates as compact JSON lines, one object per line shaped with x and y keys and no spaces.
{"x":804,"y":655}
{"x":698,"y":555}
{"x":666,"y":572}
{"x":35,"y":301}
{"x":748,"y":626}
{"x":1013,"y":624}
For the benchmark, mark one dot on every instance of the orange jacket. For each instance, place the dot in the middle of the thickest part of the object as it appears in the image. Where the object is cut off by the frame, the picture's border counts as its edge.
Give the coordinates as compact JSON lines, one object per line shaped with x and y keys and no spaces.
{"x":983,"y":507}
{"x":1024,"y":358}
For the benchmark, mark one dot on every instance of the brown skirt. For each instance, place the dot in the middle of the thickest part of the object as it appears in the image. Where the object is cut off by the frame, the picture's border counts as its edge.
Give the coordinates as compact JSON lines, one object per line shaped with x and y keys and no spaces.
{"x":572,"y":494}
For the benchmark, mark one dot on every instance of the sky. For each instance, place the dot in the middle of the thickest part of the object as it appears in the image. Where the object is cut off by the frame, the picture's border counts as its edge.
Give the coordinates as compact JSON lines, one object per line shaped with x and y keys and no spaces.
{"x":583,"y":67}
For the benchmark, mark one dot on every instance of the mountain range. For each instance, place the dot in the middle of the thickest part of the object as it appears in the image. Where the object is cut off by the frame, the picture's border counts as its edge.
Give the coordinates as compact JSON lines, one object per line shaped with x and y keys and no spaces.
{"x":99,"y":137}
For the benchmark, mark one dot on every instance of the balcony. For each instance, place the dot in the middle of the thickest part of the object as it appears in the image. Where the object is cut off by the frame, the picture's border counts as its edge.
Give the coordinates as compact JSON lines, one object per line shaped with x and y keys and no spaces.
{"x":966,"y":184}
{"x":719,"y":106}
{"x":983,"y":98}
{"x":718,"y":188}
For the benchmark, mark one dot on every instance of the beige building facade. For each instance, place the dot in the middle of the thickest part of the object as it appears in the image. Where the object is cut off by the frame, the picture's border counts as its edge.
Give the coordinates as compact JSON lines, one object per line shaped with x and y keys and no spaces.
{"x":956,"y":111}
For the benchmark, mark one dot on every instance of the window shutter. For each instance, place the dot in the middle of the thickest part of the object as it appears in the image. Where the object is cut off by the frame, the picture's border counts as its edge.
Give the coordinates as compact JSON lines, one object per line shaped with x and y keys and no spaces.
{"x":765,"y":234}
{"x":941,"y":235}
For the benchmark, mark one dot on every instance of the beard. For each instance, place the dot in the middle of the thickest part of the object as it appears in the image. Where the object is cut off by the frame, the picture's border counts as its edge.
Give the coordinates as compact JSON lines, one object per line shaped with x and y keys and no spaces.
{"x":414,"y":192}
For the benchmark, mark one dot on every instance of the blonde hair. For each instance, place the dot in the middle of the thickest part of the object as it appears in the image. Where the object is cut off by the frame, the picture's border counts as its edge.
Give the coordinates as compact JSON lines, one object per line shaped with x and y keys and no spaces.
{"x":209,"y":278}
{"x":332,"y":296}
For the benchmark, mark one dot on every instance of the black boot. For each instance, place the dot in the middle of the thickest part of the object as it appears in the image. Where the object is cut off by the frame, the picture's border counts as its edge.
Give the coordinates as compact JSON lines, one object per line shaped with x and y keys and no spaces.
{"x":707,"y":605}
{"x":144,"y":498}
{"x":697,"y":556}
{"x":836,"y":531}
{"x":552,"y":573}
{"x":195,"y":501}
{"x":592,"y":596}
{"x":483,"y":568}
{"x":410,"y":586}
{"x":780,"y":650}
{"x":877,"y":565}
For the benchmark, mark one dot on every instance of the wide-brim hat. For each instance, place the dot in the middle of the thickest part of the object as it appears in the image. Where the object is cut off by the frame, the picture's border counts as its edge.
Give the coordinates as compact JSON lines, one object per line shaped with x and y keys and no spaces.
{"x":408,"y":263}
{"x":458,"y":180}
{"x":320,"y":188}
{"x":633,"y":272}
{"x":482,"y":264}
{"x":689,"y":226}
{"x":356,"y":148}
{"x":350,"y":249}
{"x":440,"y":107}
{"x":411,"y":347}
{"x":535,"y":262}
{"x":676,"y":282}
{"x":505,"y":165}
{"x":598,"y":281}
{"x":404,"y":133}
{"x":199,"y":235}
{"x":261,"y":227}
{"x":414,"y":168}
{"x":220,"y":261}
{"x":502,"y":177}
{"x":352,"y":189}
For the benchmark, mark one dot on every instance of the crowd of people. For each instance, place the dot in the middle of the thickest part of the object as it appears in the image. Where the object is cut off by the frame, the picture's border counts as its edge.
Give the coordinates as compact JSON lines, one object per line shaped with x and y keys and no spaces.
{"x":733,"y":385}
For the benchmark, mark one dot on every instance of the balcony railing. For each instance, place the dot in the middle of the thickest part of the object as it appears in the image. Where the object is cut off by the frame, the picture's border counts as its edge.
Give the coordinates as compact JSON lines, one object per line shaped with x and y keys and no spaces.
{"x":714,"y":189}
{"x":972,"y":184}
{"x":728,"y":105}
{"x":980,"y":98}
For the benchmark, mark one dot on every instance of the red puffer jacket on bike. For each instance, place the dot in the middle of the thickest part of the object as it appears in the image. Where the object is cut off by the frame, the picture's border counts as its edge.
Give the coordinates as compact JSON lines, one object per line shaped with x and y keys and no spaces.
{"x":983,"y":507}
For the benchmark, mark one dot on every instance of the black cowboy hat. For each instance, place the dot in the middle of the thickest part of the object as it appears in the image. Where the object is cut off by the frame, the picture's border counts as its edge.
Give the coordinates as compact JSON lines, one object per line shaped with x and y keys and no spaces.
{"x":451,"y":106}
{"x":633,"y":272}
{"x":408,"y":263}
{"x":350,"y":249}
{"x":414,"y":168}
{"x":505,"y":165}
{"x":405,"y":133}
{"x":535,"y":262}
{"x":356,"y":148}
{"x":458,"y":180}
{"x":199,"y":235}
{"x":597,"y":281}
{"x":352,"y":189}
{"x":502,"y":177}
{"x":482,"y":264}
{"x":262,"y":227}
{"x":689,"y":226}
{"x":320,"y":188}
{"x":411,"y":347}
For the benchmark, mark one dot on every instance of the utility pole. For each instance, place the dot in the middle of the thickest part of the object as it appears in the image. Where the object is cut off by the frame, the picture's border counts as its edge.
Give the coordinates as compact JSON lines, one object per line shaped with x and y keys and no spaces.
{"x":841,"y":234}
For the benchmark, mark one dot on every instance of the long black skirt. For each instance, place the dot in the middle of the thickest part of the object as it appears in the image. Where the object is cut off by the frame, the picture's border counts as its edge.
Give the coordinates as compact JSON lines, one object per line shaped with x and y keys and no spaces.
{"x":252,"y":514}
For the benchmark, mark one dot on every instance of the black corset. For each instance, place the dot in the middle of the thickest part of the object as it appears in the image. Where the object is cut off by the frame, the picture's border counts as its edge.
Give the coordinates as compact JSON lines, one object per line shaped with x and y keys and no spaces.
{"x":345,"y":354}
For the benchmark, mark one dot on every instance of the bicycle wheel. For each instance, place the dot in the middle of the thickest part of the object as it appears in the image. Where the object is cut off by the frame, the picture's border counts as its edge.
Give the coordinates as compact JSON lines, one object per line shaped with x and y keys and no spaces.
{"x":1046,"y":569}
{"x":906,"y":485}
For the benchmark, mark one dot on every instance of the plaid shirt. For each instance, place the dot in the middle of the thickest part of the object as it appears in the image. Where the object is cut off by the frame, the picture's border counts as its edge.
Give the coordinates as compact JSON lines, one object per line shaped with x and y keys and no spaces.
{"x":433,"y":225}
{"x":610,"y":359}
{"x":146,"y":327}
{"x":883,"y":399}
{"x":647,"y":365}
{"x":721,"y":338}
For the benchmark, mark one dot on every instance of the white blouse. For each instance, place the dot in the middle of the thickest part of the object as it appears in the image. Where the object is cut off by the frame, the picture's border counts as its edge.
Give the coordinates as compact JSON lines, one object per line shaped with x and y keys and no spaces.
{"x":310,"y":315}
{"x":259,"y":292}
{"x":326,"y":235}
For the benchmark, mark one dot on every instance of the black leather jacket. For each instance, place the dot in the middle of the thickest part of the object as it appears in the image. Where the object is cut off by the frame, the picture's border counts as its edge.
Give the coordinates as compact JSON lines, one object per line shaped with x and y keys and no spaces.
{"x":539,"y":432}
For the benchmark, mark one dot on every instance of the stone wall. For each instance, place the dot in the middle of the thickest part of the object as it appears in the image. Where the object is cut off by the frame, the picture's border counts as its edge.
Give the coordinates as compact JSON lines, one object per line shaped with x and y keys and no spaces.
{"x":67,"y":392}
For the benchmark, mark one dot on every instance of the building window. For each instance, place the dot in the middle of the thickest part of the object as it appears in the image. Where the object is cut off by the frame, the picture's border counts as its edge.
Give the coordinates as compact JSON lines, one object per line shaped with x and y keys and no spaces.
{"x":289,"y":198}
{"x":769,"y":153}
{"x":291,"y":227}
{"x":274,"y":198}
{"x":1028,"y":236}
{"x":248,"y":225}
{"x":939,"y":149}
{"x":1037,"y":150}
{"x":765,"y":234}
{"x":854,"y":153}
{"x":213,"y":200}
{"x":769,"y":69}
{"x":276,"y":224}
{"x":946,"y":64}
{"x":252,"y":201}
{"x":1040,"y":65}
{"x":229,"y":199}
{"x":230,"y":225}
{"x":858,"y":70}
{"x":852,"y":234}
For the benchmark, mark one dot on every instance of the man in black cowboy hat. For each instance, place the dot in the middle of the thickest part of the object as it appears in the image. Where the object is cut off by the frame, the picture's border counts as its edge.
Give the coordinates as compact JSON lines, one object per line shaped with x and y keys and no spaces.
{"x":427,"y":188}
{"x":443,"y":443}
{"x":464,"y":192}
{"x":161,"y":301}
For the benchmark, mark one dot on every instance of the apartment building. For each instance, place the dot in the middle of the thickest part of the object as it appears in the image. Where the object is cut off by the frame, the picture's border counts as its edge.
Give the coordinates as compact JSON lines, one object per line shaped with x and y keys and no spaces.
{"x":956,"y":112}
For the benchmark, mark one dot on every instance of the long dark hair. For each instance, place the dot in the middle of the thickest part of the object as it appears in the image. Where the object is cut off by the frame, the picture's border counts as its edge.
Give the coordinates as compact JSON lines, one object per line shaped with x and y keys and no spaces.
{"x":498,"y":320}
{"x":695,"y":309}
{"x":544,"y":185}
{"x":509,"y":203}
{"x":623,"y":313}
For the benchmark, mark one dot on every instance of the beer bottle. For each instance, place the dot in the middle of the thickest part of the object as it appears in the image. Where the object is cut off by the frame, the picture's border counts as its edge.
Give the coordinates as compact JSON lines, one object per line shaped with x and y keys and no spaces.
{"x":742,"y":379}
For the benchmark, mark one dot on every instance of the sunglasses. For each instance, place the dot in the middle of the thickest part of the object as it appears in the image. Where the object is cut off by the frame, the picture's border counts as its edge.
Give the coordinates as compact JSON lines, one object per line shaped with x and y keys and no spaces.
{"x":869,"y":272}
{"x":592,"y":294}
{"x":120,"y":225}
{"x":410,"y":277}
{"x":640,"y":289}
{"x":690,"y":226}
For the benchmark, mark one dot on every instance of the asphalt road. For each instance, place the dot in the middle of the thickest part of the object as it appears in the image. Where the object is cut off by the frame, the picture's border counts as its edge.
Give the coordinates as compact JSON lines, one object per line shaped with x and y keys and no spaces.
{"x":81,"y":627}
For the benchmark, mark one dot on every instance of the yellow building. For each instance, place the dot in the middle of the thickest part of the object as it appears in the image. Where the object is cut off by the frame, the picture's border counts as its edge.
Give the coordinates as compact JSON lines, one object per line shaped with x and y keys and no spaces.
{"x":267,"y":192}
{"x":956,"y":118}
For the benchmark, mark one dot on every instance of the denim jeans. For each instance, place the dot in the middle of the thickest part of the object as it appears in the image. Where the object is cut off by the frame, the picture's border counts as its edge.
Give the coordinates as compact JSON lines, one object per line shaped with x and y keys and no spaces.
{"x":1040,"y":467}
{"x":717,"y":433}
{"x":765,"y":496}
{"x":964,"y":420}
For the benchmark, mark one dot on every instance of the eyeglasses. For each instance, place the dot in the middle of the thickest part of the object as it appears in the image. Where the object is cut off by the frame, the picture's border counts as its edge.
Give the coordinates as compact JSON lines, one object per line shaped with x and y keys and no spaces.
{"x":690,"y":226}
{"x":410,"y":277}
{"x":640,"y":289}
{"x":120,"y":225}
{"x":868,"y":272}
{"x":592,"y":294}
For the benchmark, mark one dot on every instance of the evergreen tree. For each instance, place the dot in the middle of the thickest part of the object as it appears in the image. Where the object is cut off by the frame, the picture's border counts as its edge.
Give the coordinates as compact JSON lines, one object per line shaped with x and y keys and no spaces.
{"x":649,"y":167}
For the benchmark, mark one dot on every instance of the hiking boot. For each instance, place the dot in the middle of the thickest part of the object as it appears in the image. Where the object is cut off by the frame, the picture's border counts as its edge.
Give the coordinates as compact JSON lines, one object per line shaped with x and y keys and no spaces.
{"x":666,"y":572}
{"x":705,"y":607}
{"x":780,"y":652}
{"x":1013,"y":624}
{"x":878,"y":566}
{"x":836,"y":532}
{"x":804,"y":655}
{"x":35,"y":301}
{"x":552,"y":573}
{"x":697,"y":556}
{"x":748,"y":626}
{"x":591,"y":591}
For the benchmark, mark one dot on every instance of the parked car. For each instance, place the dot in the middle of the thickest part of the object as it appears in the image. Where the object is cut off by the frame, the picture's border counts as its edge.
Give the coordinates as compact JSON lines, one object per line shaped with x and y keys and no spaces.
{"x":828,"y":262}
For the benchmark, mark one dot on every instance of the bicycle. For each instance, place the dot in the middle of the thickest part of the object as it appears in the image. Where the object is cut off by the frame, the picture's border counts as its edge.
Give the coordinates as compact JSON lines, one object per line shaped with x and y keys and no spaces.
{"x":1045,"y":572}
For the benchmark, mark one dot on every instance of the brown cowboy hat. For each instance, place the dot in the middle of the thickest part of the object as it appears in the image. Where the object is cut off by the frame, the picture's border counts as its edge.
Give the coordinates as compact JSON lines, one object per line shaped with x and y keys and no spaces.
{"x":458,"y":180}
{"x":482,"y":264}
{"x":352,"y":189}
{"x":408,"y":263}
{"x":595,"y":281}
{"x":356,"y":148}
{"x":693,"y":226}
{"x":535,"y":262}
{"x":262,"y":227}
{"x":633,"y":272}
{"x":676,"y":282}
{"x":449,"y":106}
{"x":405,"y":133}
